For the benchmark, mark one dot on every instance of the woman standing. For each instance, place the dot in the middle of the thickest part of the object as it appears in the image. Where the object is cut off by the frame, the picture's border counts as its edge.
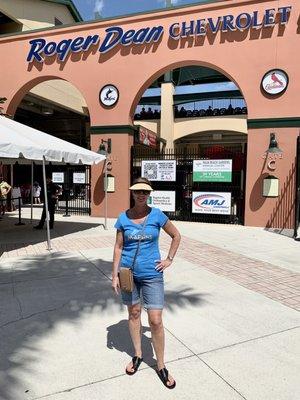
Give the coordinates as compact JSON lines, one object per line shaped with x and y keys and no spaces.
{"x":138,"y":229}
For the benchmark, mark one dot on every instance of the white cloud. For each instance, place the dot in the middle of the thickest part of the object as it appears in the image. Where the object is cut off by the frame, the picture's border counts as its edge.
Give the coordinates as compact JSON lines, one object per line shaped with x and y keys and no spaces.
{"x":173,"y":2}
{"x":99,"y":4}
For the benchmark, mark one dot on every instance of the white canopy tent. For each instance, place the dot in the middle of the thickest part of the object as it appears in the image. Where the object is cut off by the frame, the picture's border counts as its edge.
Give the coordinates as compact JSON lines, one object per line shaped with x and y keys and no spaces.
{"x":21,"y":143}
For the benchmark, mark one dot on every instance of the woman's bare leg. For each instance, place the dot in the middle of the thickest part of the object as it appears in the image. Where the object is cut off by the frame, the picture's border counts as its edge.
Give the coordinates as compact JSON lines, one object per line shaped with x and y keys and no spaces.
{"x":134,"y":323}
{"x":158,"y":338}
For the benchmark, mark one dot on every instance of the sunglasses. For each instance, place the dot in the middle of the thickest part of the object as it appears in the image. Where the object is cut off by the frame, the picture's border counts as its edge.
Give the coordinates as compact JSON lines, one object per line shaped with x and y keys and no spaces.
{"x":141,"y":192}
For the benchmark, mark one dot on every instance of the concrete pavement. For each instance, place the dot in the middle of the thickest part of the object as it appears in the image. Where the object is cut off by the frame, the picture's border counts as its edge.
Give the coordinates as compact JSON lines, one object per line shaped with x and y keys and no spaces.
{"x":231,"y":319}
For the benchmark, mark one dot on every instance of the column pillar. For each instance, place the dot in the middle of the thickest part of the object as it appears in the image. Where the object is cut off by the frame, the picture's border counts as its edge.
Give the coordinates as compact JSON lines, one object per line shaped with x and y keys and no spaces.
{"x":120,"y":166}
{"x":271,"y":212}
{"x":167,"y":113}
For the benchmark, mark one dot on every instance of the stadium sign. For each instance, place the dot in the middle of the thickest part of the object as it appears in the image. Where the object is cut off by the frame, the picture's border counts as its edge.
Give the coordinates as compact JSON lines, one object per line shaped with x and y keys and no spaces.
{"x":115,"y":35}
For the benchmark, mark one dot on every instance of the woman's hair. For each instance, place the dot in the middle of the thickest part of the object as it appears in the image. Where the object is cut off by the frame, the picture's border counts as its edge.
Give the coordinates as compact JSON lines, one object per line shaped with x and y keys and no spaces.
{"x":142,"y":180}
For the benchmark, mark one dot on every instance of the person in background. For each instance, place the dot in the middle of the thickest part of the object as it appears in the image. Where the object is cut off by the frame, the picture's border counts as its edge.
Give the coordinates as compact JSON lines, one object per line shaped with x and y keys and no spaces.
{"x":138,"y":230}
{"x":4,"y":190}
{"x":36,"y":193}
{"x":53,"y":191}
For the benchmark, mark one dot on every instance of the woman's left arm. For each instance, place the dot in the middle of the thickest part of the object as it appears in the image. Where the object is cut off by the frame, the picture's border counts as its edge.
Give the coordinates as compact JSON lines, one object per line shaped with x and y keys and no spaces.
{"x":172,"y":231}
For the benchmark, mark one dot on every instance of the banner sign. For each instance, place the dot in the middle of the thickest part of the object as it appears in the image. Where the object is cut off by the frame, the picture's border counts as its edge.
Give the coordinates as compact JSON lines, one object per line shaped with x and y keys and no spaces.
{"x":147,"y":137}
{"x":58,"y":177}
{"x":159,"y":170}
{"x":79,"y":177}
{"x":211,"y":203}
{"x":117,"y":36}
{"x":212,"y":170}
{"x":162,"y":199}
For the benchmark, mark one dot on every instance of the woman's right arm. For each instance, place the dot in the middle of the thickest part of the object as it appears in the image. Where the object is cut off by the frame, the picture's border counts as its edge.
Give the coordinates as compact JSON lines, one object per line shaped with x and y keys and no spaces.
{"x":116,"y":261}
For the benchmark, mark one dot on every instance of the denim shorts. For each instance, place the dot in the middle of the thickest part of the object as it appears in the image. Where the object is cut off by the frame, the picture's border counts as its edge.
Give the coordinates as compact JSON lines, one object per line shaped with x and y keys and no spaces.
{"x":150,"y":290}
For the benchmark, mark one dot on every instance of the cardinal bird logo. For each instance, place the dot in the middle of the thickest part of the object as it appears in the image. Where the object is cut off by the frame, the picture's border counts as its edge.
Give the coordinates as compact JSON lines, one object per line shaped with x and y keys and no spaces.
{"x":275,"y":79}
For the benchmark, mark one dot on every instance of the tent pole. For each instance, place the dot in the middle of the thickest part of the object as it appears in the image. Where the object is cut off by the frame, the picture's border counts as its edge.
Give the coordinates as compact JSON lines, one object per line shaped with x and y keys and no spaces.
{"x":31,"y":195}
{"x":105,"y":189}
{"x":46,"y":205}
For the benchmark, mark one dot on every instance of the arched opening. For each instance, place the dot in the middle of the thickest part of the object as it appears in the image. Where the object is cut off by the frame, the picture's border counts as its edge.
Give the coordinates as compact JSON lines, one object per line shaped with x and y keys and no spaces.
{"x":196,"y":115}
{"x":58,"y":108}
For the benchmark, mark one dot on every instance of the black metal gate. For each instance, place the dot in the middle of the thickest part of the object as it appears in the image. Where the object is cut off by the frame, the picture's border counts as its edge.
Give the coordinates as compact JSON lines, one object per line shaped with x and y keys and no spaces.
{"x":76,"y":191}
{"x":297,"y":210}
{"x":184,"y":185}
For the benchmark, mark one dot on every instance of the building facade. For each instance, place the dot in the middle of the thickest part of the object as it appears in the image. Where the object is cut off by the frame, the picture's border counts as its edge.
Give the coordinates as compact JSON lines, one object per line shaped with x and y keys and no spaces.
{"x":253,"y":44}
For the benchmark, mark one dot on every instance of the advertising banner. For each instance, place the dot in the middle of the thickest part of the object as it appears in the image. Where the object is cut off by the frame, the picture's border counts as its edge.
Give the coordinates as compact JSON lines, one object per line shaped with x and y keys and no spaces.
{"x":159,"y":170}
{"x":211,"y":203}
{"x":79,"y":177}
{"x":147,"y":137}
{"x":162,"y":199}
{"x":212,"y":170}
{"x":58,"y":177}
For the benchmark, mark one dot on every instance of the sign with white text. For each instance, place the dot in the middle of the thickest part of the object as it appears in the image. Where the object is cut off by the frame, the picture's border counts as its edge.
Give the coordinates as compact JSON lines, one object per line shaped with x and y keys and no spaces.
{"x":212,"y":170}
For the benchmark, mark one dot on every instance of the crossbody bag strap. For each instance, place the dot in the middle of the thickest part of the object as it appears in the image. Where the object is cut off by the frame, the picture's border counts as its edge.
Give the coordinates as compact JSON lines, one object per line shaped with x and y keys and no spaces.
{"x":139,"y":242}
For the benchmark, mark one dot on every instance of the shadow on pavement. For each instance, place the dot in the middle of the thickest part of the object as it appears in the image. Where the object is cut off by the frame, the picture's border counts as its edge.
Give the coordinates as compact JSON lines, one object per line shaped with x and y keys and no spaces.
{"x":41,"y":294}
{"x":15,"y":237}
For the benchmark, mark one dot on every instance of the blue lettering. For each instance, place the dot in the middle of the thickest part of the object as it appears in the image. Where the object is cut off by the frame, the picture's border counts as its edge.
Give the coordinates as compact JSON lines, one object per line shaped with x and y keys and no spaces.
{"x":270,"y":17}
{"x":214,"y":27}
{"x":37,"y":46}
{"x":90,"y":41}
{"x":140,"y":36}
{"x":155,"y":34}
{"x":77,"y":44}
{"x":200,"y":27}
{"x":173,"y":29}
{"x":284,"y":14}
{"x":255,"y":23}
{"x":63,"y":49}
{"x":127,"y":37}
{"x":213,"y":202}
{"x":243,"y":21}
{"x":50,"y":49}
{"x":187,"y":30}
{"x":228,"y":23}
{"x":205,"y":202}
{"x":112,"y":38}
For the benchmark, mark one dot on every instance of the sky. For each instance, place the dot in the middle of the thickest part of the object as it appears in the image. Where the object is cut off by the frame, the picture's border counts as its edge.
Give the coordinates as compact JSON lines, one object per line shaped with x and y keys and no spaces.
{"x":111,"y":8}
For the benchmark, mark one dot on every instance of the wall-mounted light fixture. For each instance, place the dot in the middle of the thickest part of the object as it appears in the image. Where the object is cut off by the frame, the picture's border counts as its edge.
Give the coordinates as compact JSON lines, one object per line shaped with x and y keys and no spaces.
{"x":273,"y":145}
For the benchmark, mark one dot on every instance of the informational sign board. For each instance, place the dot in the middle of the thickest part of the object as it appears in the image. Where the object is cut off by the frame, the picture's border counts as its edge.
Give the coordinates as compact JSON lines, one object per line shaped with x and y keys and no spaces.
{"x":211,"y":203}
{"x":162,"y":199}
{"x":58,"y":177}
{"x":212,"y":170}
{"x":159,"y":170}
{"x":79,"y":177}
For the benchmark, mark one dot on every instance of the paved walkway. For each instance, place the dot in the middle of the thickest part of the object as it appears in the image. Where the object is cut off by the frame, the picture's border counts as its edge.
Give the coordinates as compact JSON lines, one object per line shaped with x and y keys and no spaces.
{"x":231,"y":317}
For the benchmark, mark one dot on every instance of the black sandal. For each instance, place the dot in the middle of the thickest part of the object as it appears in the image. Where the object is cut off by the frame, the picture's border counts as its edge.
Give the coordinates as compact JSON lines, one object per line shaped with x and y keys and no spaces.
{"x":164,"y":377}
{"x":136,"y":362}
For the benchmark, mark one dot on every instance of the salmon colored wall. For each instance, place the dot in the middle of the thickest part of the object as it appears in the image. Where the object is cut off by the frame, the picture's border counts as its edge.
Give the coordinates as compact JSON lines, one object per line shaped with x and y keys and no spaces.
{"x":276,"y":212}
{"x":119,"y":168}
{"x":243,"y":56}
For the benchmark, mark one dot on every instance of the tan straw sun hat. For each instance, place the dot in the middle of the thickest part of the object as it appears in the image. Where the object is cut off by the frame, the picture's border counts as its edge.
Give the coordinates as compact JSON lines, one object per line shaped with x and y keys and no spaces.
{"x":141,"y":186}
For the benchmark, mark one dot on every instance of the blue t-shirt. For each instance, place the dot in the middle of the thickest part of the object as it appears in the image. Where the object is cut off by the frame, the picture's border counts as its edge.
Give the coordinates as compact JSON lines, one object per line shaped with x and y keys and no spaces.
{"x":148,"y":253}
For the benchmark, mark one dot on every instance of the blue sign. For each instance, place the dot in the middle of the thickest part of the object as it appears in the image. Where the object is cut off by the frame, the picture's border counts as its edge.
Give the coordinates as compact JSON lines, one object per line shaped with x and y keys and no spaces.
{"x":40,"y":48}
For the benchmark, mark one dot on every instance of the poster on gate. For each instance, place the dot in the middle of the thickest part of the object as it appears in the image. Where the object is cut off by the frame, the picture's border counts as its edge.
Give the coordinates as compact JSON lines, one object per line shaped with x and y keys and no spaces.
{"x":79,"y":177}
{"x":212,"y":170}
{"x":211,"y":203}
{"x":162,"y":199}
{"x":159,"y":170}
{"x":58,"y":177}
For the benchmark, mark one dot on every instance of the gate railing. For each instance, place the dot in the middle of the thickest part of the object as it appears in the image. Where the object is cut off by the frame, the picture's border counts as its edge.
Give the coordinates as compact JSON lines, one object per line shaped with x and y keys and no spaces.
{"x":184,"y":185}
